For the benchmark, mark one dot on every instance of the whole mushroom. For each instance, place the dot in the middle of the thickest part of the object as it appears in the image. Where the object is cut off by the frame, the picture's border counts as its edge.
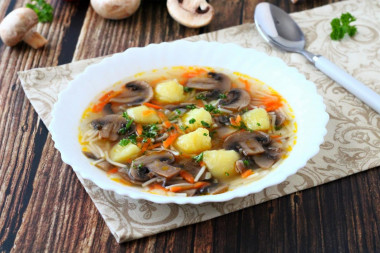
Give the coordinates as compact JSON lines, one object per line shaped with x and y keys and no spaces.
{"x":191,"y":13}
{"x":19,"y":26}
{"x":115,"y":9}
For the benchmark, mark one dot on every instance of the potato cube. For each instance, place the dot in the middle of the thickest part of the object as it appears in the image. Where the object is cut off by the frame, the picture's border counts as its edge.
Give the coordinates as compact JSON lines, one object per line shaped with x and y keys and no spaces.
{"x":122,"y":154}
{"x":257,"y":119}
{"x":194,"y":142}
{"x":193,"y":119}
{"x":169,"y":92}
{"x":143,"y":114}
{"x":221,"y":163}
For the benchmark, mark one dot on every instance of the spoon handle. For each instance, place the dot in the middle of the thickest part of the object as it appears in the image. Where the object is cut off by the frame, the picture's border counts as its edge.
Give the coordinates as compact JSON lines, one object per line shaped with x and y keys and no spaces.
{"x":357,"y":88}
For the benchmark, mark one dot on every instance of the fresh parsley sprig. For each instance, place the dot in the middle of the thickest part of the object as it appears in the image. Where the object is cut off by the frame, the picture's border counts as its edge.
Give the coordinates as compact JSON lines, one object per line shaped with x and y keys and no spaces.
{"x":341,"y":26}
{"x":43,"y":10}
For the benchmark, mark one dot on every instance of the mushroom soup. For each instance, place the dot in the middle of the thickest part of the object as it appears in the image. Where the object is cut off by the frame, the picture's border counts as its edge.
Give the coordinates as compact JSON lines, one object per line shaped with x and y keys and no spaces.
{"x":187,"y":130}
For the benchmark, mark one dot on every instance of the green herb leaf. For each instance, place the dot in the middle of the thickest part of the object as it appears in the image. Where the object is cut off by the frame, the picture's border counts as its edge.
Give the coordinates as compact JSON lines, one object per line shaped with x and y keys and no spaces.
{"x":183,"y":128}
{"x":178,"y":111}
{"x":227,"y":174}
{"x":124,"y":129}
{"x":43,"y":10}
{"x":198,"y":158}
{"x":246,"y":163}
{"x":150,"y":131}
{"x":192,"y":121}
{"x":258,"y":124}
{"x":222,"y":96}
{"x":212,"y":133}
{"x":187,"y":89}
{"x":205,"y":124}
{"x":212,"y":109}
{"x":200,"y":96}
{"x":204,"y":134}
{"x":190,"y":107}
{"x":124,"y":142}
{"x":342,"y":26}
{"x":277,"y":128}
{"x":130,"y":139}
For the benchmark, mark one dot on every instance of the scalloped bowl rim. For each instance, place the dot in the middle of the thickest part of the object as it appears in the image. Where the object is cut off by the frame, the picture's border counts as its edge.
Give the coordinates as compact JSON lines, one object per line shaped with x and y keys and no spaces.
{"x":97,"y":77}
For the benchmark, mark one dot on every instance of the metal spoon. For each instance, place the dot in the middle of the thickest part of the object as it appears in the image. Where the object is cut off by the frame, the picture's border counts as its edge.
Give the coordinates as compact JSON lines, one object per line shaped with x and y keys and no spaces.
{"x":279,"y":29}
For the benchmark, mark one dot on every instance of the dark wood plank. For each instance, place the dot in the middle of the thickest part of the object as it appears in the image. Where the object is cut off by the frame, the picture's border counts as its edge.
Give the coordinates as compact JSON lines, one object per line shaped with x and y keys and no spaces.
{"x":43,"y":206}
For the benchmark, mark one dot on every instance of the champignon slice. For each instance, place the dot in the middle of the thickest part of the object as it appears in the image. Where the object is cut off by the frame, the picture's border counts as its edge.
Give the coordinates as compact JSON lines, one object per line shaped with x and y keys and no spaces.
{"x":213,"y":82}
{"x":191,"y":13}
{"x":163,"y":156}
{"x":190,"y":193}
{"x":191,"y":166}
{"x":128,"y":178}
{"x":236,"y":99}
{"x":280,"y":118}
{"x":267,"y":159}
{"x":247,"y":142}
{"x":178,"y":106}
{"x":135,"y":93}
{"x":163,"y":169}
{"x":214,"y":188}
{"x":109,"y":126}
{"x":104,"y":165}
{"x":140,"y":173}
{"x":239,"y":166}
{"x":90,"y":155}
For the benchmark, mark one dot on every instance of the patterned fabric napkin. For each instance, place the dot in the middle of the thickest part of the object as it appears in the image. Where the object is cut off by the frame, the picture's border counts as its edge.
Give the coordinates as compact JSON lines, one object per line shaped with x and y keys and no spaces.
{"x":351,"y":145}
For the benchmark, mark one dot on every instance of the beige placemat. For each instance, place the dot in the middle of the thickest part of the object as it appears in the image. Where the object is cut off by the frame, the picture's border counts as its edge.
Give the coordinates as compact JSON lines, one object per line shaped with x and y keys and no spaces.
{"x":352,"y":143}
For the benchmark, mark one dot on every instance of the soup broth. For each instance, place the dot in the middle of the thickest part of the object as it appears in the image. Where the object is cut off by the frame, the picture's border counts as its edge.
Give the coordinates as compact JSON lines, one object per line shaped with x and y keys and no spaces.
{"x":187,"y":130}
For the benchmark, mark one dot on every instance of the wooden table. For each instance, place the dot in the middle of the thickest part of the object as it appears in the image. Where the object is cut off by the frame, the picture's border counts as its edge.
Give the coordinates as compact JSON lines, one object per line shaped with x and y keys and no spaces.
{"x":43,"y":206}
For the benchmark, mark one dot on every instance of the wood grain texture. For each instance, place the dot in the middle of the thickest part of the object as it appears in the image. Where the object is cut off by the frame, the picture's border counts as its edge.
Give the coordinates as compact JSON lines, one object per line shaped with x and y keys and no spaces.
{"x":44,"y":208}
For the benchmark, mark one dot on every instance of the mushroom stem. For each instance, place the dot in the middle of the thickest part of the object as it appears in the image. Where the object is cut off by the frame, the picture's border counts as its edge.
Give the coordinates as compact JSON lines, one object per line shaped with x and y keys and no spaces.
{"x":34,"y":39}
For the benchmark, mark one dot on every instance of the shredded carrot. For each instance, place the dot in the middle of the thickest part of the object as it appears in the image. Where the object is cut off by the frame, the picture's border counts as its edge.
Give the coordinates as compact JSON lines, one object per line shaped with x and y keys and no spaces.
{"x":272,"y":103}
{"x":153,"y":105}
{"x":145,"y":146}
{"x":112,"y":171}
{"x":238,"y":120}
{"x":247,"y":85}
{"x":198,"y":185}
{"x":187,"y":176}
{"x":157,"y":186}
{"x":154,"y":146}
{"x":193,"y":73}
{"x":202,"y":163}
{"x":246,"y":173}
{"x":104,"y":100}
{"x":164,"y":119}
{"x":199,"y":103}
{"x":172,"y":137}
{"x":180,"y":188}
{"x":139,"y":129}
{"x":233,"y":121}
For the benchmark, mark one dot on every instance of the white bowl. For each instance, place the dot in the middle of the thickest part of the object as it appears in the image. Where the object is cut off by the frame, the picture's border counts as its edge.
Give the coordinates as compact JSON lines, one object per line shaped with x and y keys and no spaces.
{"x":301,"y":95}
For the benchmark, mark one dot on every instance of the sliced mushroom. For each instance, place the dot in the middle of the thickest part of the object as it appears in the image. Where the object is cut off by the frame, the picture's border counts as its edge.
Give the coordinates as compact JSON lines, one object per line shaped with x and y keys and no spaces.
{"x":104,"y":165}
{"x":191,"y":166}
{"x":190,"y":193}
{"x":224,"y":132}
{"x":239,"y":166}
{"x":213,"y":82}
{"x":280,"y":118}
{"x":248,"y":143}
{"x":191,"y":13}
{"x":223,"y":120}
{"x":236,"y":99}
{"x":163,"y":169}
{"x":109,"y":126}
{"x":214,"y":188}
{"x":129,"y":179}
{"x":142,"y":170}
{"x":267,"y":159}
{"x":179,"y":106}
{"x":135,"y":93}
{"x":90,"y":155}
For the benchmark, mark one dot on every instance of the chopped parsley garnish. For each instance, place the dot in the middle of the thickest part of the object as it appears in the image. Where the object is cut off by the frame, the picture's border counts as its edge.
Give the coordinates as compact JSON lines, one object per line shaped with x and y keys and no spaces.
{"x":200,"y":96}
{"x":245,"y":110}
{"x":242,"y":126}
{"x":187,"y":89}
{"x":277,"y":128}
{"x":183,"y":128}
{"x":174,"y":118}
{"x":222,"y":96}
{"x":205,"y":124}
{"x":130,"y":139}
{"x":140,"y":166}
{"x":211,"y":134}
{"x":170,"y":129}
{"x":246,"y":163}
{"x":191,"y":107}
{"x":192,"y":121}
{"x":204,"y":134}
{"x":198,"y":158}
{"x":124,"y":129}
{"x":178,"y":111}
{"x":341,"y":26}
{"x":258,"y":124}
{"x":150,"y":131}
{"x":227,"y":174}
{"x":211,"y":109}
{"x":43,"y":10}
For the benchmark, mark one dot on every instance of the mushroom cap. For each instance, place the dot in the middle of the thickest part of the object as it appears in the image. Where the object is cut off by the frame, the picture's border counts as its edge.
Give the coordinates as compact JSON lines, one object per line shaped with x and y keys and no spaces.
{"x":250,"y":142}
{"x":214,"y":81}
{"x":236,"y":99}
{"x":135,"y":93}
{"x":14,"y":27}
{"x":115,"y":9}
{"x":110,"y":125}
{"x":191,"y":13}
